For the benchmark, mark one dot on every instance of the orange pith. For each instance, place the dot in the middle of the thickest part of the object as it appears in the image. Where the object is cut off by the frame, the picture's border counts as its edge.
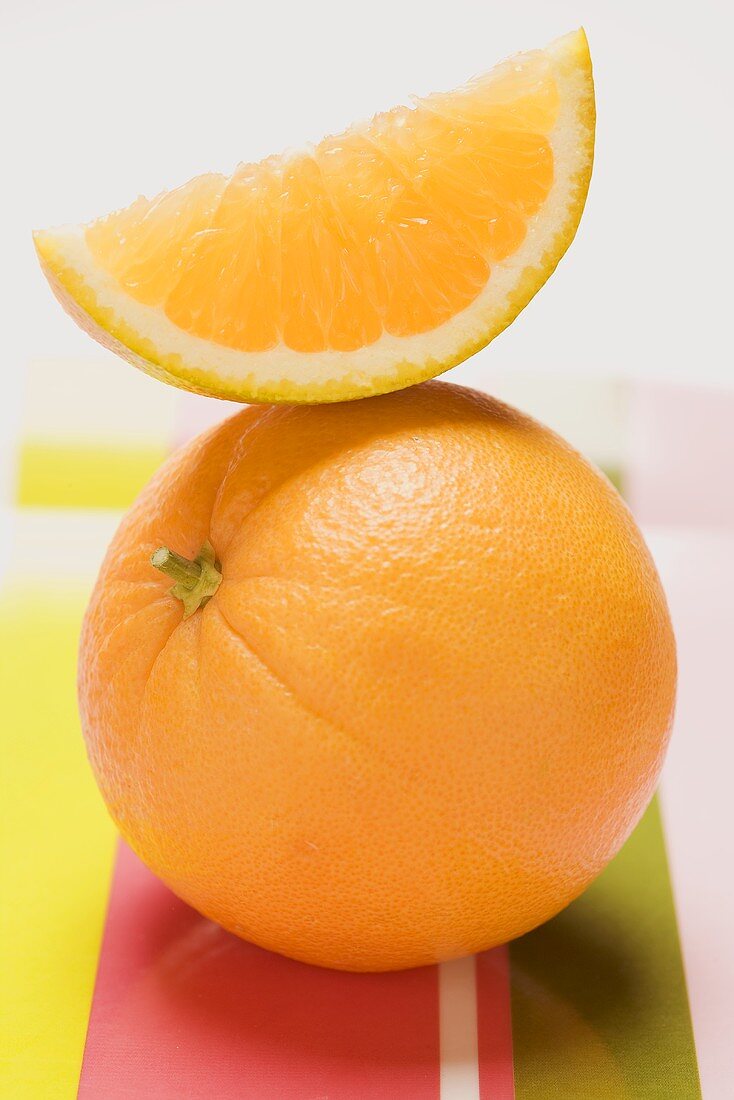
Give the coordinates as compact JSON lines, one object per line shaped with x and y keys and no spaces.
{"x":392,"y":227}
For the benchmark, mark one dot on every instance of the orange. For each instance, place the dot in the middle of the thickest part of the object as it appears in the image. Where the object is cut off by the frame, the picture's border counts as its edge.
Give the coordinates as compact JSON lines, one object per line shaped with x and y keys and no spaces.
{"x":422,"y":692}
{"x":373,"y":259}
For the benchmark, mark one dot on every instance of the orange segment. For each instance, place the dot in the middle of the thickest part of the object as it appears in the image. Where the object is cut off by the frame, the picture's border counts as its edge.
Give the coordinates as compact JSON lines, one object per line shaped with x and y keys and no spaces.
{"x":145,"y":246}
{"x":229,"y":285}
{"x":276,"y":232}
{"x":375,"y":258}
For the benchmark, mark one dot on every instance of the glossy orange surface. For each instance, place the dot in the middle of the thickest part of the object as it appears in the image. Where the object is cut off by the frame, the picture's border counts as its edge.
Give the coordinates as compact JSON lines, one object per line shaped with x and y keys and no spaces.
{"x":428,"y":701}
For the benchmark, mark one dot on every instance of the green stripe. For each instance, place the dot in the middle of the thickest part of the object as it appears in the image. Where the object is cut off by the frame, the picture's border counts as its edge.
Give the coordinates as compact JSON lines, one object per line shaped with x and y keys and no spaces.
{"x":616,"y":476}
{"x":599,"y":1003}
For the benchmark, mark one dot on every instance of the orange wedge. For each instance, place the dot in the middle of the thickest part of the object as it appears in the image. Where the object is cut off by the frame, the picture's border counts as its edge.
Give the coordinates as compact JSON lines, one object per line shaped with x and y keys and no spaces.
{"x":373,"y":260}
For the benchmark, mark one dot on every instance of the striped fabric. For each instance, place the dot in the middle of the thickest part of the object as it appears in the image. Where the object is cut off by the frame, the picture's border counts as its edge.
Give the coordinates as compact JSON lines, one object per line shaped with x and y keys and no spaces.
{"x":112,"y":987}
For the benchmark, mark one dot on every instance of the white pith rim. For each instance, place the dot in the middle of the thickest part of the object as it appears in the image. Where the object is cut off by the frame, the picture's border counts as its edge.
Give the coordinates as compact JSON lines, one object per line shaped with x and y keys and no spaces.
{"x":389,"y":355}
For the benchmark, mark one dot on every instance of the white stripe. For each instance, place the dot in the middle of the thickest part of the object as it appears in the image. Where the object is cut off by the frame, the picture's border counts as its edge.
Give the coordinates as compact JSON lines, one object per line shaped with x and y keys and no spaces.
{"x":695,"y":565}
{"x":457,"y":998}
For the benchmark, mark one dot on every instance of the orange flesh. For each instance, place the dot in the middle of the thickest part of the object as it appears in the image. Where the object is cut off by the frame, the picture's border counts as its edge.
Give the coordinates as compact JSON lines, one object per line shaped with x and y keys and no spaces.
{"x":392,"y":227}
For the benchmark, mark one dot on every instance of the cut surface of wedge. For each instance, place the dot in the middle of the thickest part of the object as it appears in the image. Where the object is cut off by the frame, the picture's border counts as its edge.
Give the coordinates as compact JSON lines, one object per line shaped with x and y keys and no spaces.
{"x":375,"y":259}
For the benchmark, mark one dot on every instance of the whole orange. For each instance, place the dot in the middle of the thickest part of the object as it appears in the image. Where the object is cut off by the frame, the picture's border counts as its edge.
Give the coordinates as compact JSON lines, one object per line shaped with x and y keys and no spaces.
{"x":424,"y":707}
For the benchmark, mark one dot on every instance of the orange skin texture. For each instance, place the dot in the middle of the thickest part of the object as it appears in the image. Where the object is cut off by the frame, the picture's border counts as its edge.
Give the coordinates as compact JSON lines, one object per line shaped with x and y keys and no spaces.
{"x":428,"y":702}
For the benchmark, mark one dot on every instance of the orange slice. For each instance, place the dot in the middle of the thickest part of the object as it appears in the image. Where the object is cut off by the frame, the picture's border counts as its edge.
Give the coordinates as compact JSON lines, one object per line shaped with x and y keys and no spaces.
{"x":375,"y":259}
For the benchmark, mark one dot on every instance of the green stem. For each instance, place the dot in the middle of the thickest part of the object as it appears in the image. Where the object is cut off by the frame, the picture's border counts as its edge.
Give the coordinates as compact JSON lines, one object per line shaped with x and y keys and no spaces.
{"x":179,"y":569}
{"x":196,"y":581}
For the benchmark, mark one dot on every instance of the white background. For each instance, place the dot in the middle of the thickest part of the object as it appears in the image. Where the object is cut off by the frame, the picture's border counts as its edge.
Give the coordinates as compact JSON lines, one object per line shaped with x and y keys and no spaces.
{"x":104,"y":101}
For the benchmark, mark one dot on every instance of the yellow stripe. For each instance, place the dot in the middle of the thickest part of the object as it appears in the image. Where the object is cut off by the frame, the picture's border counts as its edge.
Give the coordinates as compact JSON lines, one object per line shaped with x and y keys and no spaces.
{"x":52,"y":474}
{"x":56,"y":849}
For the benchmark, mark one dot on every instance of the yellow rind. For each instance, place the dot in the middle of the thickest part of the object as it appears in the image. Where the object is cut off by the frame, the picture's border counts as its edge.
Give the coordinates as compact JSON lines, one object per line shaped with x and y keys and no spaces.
{"x":80,"y":300}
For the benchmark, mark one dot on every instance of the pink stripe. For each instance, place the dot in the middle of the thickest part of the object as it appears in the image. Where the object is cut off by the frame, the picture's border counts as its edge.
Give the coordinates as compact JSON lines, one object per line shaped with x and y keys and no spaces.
{"x":181,"y":1008}
{"x":193,"y":416}
{"x":681,"y":450}
{"x":494,"y":1025}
